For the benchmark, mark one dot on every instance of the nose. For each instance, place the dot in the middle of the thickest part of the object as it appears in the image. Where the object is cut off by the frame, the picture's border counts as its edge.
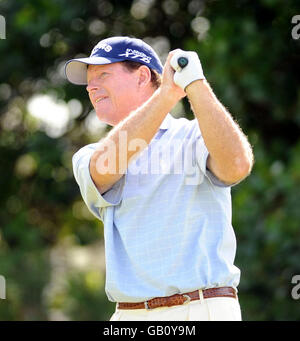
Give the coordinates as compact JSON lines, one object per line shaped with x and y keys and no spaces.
{"x":91,"y":86}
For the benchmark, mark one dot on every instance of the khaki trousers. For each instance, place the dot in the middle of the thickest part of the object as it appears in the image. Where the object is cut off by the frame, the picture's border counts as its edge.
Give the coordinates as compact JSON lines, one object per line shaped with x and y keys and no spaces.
{"x":209,"y":309}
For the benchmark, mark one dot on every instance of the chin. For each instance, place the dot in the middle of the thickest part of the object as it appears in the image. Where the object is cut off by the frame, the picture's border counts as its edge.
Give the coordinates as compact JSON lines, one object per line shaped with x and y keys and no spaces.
{"x":107,"y":119}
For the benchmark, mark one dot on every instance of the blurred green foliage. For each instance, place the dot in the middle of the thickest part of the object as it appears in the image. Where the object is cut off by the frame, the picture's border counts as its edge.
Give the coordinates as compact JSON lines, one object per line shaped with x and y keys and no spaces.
{"x":253,"y":65}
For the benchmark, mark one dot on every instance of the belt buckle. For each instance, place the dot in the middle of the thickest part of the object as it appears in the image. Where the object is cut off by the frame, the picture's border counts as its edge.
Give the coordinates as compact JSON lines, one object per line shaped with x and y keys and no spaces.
{"x":188,"y":299}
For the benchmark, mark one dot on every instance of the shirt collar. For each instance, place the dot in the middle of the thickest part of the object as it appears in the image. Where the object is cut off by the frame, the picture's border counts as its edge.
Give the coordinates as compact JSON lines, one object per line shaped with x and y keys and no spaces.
{"x":166,"y":123}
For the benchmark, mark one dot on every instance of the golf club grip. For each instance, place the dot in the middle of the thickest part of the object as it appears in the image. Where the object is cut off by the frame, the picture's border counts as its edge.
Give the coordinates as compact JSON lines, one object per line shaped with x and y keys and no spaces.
{"x":182,"y":62}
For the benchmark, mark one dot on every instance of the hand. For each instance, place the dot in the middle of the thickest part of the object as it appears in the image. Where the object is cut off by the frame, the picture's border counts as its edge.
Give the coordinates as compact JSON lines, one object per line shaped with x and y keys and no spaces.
{"x":191,"y":72}
{"x":173,"y":91}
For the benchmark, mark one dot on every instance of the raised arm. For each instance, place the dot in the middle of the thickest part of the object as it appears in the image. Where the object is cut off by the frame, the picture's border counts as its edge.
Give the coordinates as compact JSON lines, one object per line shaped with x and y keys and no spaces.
{"x":138,"y":128}
{"x":230,"y":154}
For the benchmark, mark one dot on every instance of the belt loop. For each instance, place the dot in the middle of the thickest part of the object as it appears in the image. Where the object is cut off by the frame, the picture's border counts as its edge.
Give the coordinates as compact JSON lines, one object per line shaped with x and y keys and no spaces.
{"x":201,"y":298}
{"x":235,"y":292}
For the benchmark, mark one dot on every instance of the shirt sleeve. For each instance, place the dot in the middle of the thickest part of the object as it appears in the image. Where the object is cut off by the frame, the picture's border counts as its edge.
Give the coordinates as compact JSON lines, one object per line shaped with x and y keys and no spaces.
{"x":95,"y":202}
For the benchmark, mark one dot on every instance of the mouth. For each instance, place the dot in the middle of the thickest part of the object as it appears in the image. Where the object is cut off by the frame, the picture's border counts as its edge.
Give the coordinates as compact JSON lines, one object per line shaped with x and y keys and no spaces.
{"x":100,"y":99}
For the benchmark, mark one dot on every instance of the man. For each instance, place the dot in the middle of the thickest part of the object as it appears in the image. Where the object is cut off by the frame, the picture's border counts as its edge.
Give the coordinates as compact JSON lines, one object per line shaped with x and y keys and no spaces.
{"x":161,"y":185}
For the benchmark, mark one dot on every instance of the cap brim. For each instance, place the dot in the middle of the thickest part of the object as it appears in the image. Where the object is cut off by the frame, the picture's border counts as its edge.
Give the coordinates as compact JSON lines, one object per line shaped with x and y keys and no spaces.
{"x":76,"y":69}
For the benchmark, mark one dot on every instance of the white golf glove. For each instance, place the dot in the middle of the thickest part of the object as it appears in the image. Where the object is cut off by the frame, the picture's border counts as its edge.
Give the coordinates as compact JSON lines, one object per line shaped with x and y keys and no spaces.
{"x":191,"y":72}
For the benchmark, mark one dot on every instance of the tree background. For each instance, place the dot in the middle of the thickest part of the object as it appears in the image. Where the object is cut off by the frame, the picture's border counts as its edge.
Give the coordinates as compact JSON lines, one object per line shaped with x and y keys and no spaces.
{"x":51,"y":247}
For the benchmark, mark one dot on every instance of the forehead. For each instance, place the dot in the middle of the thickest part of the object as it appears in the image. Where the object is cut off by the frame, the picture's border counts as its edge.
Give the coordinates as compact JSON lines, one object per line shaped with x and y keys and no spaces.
{"x":106,"y":67}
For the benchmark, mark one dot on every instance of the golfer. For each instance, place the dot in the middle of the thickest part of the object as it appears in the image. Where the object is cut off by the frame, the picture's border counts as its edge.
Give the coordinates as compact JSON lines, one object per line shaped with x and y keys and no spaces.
{"x":161,"y":185}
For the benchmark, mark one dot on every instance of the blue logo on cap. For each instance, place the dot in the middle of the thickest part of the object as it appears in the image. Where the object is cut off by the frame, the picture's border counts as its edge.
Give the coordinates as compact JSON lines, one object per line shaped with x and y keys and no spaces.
{"x":101,"y":46}
{"x":136,"y":54}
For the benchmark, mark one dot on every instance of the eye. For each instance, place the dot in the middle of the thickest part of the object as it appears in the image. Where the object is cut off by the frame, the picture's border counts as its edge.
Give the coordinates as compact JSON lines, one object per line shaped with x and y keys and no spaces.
{"x":102,"y":75}
{"x":96,"y":76}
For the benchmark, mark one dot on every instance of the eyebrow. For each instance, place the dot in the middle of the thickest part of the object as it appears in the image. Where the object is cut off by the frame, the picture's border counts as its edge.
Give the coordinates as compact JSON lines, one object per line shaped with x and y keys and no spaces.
{"x":99,"y":73}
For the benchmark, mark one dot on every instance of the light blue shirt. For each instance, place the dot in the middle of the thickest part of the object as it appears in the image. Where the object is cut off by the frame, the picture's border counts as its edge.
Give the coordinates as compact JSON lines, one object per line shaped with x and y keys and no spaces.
{"x":167,"y":221}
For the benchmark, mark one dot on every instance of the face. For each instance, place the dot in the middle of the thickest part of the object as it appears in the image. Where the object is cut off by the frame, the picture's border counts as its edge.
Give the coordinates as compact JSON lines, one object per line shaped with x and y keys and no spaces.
{"x":113,"y":91}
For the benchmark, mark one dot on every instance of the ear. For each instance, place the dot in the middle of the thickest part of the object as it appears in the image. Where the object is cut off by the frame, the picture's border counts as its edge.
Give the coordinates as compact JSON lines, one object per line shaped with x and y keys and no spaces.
{"x":144,"y":76}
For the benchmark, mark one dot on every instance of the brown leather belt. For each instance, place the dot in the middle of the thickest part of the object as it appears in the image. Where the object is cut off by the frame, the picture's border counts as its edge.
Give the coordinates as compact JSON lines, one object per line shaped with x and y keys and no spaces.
{"x":179,"y":299}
